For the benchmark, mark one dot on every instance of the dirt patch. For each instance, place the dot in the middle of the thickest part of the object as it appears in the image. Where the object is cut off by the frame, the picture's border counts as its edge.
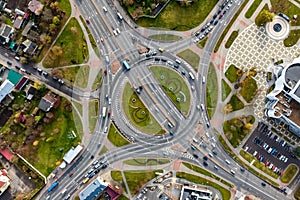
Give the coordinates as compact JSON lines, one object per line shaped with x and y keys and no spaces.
{"x":115,"y":67}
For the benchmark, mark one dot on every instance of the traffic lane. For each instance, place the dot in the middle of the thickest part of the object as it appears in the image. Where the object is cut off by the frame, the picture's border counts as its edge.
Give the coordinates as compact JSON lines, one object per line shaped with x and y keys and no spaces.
{"x":261,"y":133}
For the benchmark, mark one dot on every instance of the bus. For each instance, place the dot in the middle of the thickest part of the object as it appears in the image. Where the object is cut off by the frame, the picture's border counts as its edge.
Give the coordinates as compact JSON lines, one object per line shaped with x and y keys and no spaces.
{"x":104,"y":112}
{"x":125,"y":64}
{"x":191,"y":76}
{"x":54,"y":185}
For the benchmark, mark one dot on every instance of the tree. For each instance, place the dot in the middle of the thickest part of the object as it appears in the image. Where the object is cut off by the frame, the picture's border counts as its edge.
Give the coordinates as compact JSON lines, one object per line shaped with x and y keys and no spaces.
{"x":57,"y":73}
{"x":56,"y":20}
{"x":264,"y":17}
{"x":280,"y":6}
{"x":248,"y":126}
{"x":227,"y":108}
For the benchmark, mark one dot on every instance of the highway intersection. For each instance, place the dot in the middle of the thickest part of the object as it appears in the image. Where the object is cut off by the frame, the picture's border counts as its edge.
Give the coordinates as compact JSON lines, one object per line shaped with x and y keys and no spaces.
{"x":121,"y":46}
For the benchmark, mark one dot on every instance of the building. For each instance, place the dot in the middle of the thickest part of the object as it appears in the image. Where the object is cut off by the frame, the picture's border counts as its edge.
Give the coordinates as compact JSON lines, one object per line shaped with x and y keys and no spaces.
{"x":30,"y":92}
{"x":93,"y":190}
{"x":35,"y":6}
{"x":5,"y":89}
{"x":18,"y":22}
{"x":29,"y":47}
{"x":193,"y":193}
{"x":4,"y":181}
{"x":6,"y":32}
{"x":283,"y":102}
{"x":14,"y":77}
{"x":112,"y":193}
{"x":72,"y":153}
{"x":47,"y":102}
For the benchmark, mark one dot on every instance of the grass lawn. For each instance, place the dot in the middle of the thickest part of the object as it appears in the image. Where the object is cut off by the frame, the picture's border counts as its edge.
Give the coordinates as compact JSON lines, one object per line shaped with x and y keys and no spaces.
{"x":135,"y":178}
{"x":92,"y":40}
{"x":288,"y":8}
{"x":146,"y":161}
{"x":65,"y":6}
{"x":176,"y":17}
{"x":191,"y":57}
{"x":174,"y":86}
{"x":93,"y":114}
{"x":257,"y":164}
{"x":235,"y":129}
{"x":49,"y":147}
{"x":199,"y":180}
{"x":136,"y":112}
{"x":252,"y":8}
{"x":165,"y":37}
{"x":206,"y":173}
{"x":211,"y":90}
{"x":236,"y":103}
{"x":233,"y":74}
{"x":249,"y":89}
{"x":77,"y":75}
{"x":297,"y":193}
{"x":103,"y":150}
{"x":78,"y":106}
{"x":289,"y":173}
{"x":74,"y":47}
{"x":115,"y":137}
{"x":292,"y":39}
{"x":98,"y":80}
{"x":225,"y":90}
{"x":202,"y":43}
{"x":226,"y":30}
{"x":122,"y":197}
{"x":231,"y":38}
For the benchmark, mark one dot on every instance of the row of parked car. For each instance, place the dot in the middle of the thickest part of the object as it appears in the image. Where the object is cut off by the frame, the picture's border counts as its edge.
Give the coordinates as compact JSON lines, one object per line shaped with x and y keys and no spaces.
{"x":96,"y":167}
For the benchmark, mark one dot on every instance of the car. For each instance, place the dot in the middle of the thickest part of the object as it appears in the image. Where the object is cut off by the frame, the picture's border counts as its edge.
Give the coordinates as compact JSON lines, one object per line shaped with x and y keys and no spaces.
{"x":267,"y":163}
{"x":258,"y":156}
{"x":176,"y":66}
{"x":23,"y":70}
{"x":263,"y":184}
{"x":164,"y":60}
{"x":216,"y":22}
{"x":214,"y":152}
{"x":71,"y":174}
{"x":9,"y":63}
{"x":87,"y":21}
{"x":55,"y":78}
{"x":86,"y":180}
{"x":104,"y":8}
{"x":161,"y":49}
{"x":97,"y":171}
{"x":104,"y":166}
{"x":278,"y":156}
{"x":118,"y":30}
{"x":109,"y":101}
{"x":92,"y":175}
{"x":220,"y":17}
{"x":60,"y":81}
{"x":183,"y":72}
{"x":92,"y":156}
{"x":195,"y":156}
{"x":270,"y":166}
{"x":205,"y":158}
{"x":102,"y":40}
{"x":67,"y":197}
{"x":261,"y":159}
{"x":205,"y":164}
{"x":197,"y":34}
{"x":171,"y":133}
{"x":224,"y":12}
{"x":45,"y":73}
{"x":242,"y":169}
{"x":216,"y":167}
{"x":17,"y":67}
{"x":255,"y":153}
{"x":285,"y":160}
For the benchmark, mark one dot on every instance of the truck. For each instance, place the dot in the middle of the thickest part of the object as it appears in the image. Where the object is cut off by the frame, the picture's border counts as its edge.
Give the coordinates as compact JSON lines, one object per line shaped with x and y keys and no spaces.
{"x":104,"y":112}
{"x":54,"y":185}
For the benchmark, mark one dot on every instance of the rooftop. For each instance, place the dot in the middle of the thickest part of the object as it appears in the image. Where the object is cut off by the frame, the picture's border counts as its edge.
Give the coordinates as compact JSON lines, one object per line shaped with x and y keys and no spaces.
{"x":93,"y":190}
{"x":14,"y":77}
{"x":72,"y":153}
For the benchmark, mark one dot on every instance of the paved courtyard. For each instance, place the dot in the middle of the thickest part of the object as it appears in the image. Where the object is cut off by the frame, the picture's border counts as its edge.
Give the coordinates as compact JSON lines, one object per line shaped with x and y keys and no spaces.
{"x":254,"y":49}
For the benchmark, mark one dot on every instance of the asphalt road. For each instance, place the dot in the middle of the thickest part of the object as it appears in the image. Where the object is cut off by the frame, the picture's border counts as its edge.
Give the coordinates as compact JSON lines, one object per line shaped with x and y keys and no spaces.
{"x":124,"y":46}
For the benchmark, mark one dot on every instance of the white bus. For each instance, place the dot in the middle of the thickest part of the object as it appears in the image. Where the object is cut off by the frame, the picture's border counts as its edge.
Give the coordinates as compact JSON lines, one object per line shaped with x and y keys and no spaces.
{"x":104,"y":112}
{"x":191,"y":76}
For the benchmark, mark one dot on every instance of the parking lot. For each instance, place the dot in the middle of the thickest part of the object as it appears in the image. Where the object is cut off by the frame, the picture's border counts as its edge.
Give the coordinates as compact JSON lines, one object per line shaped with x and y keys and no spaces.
{"x":270,"y":149}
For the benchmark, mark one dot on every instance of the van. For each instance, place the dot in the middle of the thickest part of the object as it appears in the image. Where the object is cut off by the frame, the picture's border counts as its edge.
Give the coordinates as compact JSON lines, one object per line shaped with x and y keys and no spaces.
{"x":104,"y":8}
{"x":195,"y":140}
{"x":178,"y":61}
{"x":227,"y":161}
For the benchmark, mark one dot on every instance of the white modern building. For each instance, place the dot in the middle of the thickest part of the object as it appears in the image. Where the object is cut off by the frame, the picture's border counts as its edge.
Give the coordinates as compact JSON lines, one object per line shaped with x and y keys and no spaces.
{"x":283,"y":102}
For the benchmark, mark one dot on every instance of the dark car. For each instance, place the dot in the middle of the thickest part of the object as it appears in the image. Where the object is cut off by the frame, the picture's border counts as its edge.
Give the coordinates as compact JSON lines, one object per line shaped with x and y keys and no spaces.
{"x":205,"y":158}
{"x":205,"y":164}
{"x":71,"y":174}
{"x":216,"y":22}
{"x":104,"y":166}
{"x":54,"y":78}
{"x":171,"y":133}
{"x":27,"y":72}
{"x":263,"y":184}
{"x":17,"y":67}
{"x":9,"y":63}
{"x":92,"y":156}
{"x":196,"y":156}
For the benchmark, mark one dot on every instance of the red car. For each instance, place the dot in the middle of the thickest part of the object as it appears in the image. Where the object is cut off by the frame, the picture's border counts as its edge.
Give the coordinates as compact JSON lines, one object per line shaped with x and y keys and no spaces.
{"x":71,"y":174}
{"x":87,"y":21}
{"x":105,"y":71}
{"x":102,"y":40}
{"x":108,"y":114}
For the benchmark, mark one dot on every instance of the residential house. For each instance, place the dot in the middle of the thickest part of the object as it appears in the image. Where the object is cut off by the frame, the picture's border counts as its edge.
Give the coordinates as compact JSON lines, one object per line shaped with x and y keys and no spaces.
{"x":6,"y":33}
{"x":35,"y":6}
{"x":29,"y":47}
{"x":47,"y":102}
{"x":4,"y":181}
{"x":30,"y":92}
{"x":5,"y":89}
